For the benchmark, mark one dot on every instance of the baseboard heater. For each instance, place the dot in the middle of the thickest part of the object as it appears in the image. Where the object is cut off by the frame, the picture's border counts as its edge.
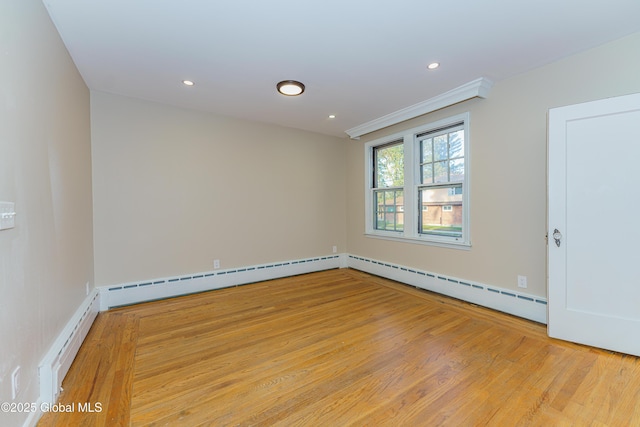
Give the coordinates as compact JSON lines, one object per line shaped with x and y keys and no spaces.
{"x":56,"y":363}
{"x":132,"y":293}
{"x":506,"y":300}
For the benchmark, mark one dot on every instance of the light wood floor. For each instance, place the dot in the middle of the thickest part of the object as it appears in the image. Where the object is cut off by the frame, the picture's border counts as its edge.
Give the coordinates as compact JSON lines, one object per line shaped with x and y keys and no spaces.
{"x":338,"y":348}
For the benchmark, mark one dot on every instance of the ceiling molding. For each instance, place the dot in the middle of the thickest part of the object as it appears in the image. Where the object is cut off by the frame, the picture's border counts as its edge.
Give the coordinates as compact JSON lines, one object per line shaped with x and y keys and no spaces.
{"x":475,"y":88}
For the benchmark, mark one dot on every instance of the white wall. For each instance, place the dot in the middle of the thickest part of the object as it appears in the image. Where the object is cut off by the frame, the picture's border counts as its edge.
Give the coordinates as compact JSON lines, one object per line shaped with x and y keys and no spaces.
{"x":45,"y":168}
{"x":508,"y":169}
{"x":175,"y":189}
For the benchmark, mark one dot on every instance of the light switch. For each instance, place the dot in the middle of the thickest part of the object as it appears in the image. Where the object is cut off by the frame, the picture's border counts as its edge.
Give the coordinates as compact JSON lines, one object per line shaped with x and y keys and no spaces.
{"x":7,"y":215}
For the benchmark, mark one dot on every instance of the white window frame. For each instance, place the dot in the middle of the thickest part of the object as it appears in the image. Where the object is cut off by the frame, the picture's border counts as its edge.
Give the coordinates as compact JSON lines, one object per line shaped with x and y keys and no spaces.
{"x":411,"y":184}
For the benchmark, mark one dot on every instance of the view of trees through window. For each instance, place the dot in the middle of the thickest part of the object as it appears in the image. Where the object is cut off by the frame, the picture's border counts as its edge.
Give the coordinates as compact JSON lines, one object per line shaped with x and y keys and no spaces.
{"x":442,"y":158}
{"x":441,"y":169}
{"x":418,"y":184}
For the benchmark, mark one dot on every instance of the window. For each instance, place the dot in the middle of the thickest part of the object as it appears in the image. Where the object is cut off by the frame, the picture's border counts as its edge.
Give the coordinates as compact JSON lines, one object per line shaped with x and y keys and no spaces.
{"x":388,"y":183}
{"x":441,"y":174}
{"x":417,"y":184}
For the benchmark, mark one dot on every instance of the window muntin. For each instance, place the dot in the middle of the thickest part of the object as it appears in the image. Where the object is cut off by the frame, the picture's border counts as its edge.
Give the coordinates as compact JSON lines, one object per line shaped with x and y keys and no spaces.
{"x":389,"y":210}
{"x":442,"y":155}
{"x":422,"y":195}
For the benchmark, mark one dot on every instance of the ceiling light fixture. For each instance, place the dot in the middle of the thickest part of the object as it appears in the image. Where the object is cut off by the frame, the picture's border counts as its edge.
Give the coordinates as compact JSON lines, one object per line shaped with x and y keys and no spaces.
{"x":433,"y":65}
{"x":188,"y":83}
{"x":290,"y":87}
{"x":332,"y":116}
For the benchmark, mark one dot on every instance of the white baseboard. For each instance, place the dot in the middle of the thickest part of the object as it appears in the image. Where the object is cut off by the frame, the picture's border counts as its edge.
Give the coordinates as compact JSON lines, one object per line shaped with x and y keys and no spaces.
{"x":519,"y":304}
{"x":56,"y":362}
{"x":136,"y":292}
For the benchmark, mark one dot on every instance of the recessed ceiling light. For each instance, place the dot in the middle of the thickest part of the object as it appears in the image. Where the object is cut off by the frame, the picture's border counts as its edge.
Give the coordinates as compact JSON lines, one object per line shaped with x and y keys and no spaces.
{"x":290,"y":87}
{"x":332,"y":116}
{"x":433,"y":65}
{"x":188,"y":83}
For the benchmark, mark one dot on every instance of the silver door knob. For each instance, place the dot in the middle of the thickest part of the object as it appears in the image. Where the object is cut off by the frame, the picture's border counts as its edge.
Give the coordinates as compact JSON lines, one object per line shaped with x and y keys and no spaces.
{"x":557,"y":236}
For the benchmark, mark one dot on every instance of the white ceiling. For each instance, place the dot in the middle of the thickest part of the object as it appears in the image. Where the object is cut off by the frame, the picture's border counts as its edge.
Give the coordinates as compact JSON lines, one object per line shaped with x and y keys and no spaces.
{"x":359,"y":59}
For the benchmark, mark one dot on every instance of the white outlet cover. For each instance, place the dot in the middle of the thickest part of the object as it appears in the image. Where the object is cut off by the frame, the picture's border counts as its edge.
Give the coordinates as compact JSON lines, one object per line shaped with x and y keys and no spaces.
{"x":522,"y":281}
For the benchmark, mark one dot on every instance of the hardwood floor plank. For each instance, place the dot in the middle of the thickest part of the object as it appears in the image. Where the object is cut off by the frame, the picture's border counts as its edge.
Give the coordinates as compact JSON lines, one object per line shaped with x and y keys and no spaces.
{"x":318,"y":350}
{"x":339,"y":348}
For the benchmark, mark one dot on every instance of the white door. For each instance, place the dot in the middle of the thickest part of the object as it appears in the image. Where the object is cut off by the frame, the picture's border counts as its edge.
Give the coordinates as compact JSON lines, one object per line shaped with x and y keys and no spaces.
{"x":594,"y":212}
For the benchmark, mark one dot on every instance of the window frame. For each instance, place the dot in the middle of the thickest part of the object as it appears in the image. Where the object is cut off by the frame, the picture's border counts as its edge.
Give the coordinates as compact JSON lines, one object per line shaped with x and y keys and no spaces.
{"x":412,"y":184}
{"x":381,"y":188}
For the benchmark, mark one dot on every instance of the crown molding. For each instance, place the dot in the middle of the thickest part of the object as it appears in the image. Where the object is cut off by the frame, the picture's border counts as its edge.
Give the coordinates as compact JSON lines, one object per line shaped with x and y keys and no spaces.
{"x":476,"y":88}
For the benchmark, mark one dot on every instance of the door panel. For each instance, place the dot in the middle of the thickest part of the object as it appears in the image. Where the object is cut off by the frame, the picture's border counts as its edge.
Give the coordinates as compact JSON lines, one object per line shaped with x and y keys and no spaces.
{"x":594,"y":201}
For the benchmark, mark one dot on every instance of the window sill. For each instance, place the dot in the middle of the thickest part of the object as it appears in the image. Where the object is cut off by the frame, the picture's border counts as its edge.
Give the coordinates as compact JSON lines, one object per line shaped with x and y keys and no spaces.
{"x":464,"y":246}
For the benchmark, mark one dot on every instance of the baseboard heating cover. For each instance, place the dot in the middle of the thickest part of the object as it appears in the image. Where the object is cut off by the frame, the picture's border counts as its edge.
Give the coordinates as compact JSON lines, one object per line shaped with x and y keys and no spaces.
{"x":57,"y":361}
{"x":505,"y":300}
{"x":135,"y":292}
{"x":517,"y":303}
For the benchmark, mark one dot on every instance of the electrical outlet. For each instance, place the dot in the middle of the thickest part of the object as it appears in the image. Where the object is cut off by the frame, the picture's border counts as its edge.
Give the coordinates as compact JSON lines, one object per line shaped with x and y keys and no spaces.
{"x":335,"y":249}
{"x":86,"y":286}
{"x":522,"y":281}
{"x":7,"y":215}
{"x":15,"y":382}
{"x":216,"y":263}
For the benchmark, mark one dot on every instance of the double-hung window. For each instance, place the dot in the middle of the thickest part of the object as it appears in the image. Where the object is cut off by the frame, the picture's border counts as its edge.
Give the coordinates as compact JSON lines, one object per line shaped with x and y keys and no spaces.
{"x":417,"y":184}
{"x":388,"y":186}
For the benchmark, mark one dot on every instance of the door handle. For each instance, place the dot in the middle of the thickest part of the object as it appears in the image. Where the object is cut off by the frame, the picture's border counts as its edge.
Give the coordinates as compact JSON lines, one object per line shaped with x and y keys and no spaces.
{"x":557,"y":236}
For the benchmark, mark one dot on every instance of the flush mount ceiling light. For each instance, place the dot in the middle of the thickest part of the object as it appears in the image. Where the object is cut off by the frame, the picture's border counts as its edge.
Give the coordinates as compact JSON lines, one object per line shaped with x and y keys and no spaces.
{"x":188,"y":83}
{"x":433,"y":65}
{"x":290,"y":87}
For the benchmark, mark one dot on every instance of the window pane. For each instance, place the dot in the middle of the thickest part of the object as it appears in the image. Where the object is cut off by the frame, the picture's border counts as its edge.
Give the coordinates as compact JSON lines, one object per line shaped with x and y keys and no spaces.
{"x":440,"y":172}
{"x":427,"y":173}
{"x":456,"y":144}
{"x":456,"y":170}
{"x":389,"y":166}
{"x":440,"y":147}
{"x":443,"y":213}
{"x":389,"y":210}
{"x":427,"y":153}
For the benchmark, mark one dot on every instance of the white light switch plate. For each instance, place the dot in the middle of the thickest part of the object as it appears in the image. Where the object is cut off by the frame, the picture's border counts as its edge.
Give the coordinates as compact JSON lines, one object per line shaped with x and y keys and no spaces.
{"x":7,"y":215}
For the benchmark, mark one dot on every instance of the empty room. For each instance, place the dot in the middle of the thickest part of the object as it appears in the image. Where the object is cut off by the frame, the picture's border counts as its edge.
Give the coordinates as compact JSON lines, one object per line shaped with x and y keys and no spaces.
{"x":338,"y":213}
